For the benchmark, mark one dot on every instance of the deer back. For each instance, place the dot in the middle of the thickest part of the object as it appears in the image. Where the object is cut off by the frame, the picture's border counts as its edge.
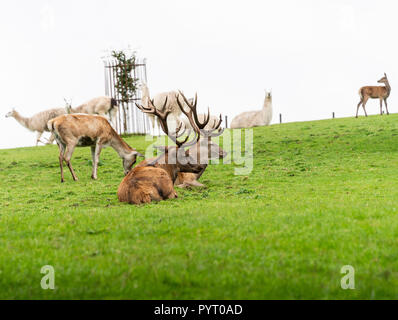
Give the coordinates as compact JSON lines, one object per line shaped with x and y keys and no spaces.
{"x":146,"y":184}
{"x":374,"y":92}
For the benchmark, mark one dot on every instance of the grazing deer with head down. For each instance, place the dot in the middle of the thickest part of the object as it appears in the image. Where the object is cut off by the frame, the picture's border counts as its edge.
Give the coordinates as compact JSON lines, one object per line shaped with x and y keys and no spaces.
{"x":375,"y":92}
{"x":83,"y":130}
{"x":153,"y":179}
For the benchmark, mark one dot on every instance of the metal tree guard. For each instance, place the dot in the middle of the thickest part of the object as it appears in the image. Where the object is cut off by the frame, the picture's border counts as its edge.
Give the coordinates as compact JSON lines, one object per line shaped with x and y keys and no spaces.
{"x":136,"y":121}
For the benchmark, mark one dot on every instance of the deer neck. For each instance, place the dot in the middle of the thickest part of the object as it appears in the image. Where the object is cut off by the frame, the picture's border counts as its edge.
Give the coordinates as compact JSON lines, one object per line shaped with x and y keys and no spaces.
{"x":22,"y":120}
{"x":388,"y":87}
{"x":171,"y":169}
{"x":120,"y":146}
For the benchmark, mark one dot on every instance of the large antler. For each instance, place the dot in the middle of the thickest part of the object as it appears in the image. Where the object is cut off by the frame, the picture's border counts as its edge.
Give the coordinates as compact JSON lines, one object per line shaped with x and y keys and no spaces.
{"x":212,"y":132}
{"x":162,"y":115}
{"x":193,"y":118}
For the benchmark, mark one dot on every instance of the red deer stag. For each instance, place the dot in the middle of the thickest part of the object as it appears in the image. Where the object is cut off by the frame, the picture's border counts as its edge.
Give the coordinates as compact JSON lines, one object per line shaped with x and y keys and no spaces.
{"x":85,"y":130}
{"x":153,"y":179}
{"x":375,"y":92}
{"x":204,"y":149}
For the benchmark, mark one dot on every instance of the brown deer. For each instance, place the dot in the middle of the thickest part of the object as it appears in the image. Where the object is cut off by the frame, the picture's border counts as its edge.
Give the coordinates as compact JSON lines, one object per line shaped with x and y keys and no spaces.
{"x":148,"y":182}
{"x":375,"y":92}
{"x":85,"y":130}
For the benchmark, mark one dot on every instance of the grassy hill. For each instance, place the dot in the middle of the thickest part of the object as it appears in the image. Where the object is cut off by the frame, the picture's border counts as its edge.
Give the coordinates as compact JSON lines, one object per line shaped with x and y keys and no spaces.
{"x":322,"y":195}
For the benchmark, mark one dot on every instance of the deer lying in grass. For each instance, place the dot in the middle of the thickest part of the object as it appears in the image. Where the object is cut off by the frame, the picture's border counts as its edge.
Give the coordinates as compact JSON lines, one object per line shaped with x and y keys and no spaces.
{"x":153,"y":179}
{"x":38,"y":122}
{"x":85,"y":130}
{"x":375,"y":92}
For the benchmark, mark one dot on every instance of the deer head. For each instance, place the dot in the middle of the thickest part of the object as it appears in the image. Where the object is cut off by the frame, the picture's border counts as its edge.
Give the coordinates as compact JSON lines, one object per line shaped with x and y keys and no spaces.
{"x":205,"y":149}
{"x":130,"y":159}
{"x":175,"y":157}
{"x":384,"y":79}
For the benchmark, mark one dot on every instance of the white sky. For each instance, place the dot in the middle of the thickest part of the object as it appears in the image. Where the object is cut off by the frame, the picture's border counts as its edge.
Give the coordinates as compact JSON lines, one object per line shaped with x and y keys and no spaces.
{"x":313,"y":54}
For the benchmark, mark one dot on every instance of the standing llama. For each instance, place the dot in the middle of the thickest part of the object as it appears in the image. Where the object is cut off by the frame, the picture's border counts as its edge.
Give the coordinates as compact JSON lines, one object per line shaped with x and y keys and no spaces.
{"x":258,"y":118}
{"x":158,"y":100}
{"x":103,"y":106}
{"x":38,"y":122}
{"x":373,"y":92}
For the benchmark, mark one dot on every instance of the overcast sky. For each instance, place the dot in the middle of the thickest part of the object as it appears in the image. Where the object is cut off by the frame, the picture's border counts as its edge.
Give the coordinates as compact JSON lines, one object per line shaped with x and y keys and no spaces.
{"x":314,"y":55}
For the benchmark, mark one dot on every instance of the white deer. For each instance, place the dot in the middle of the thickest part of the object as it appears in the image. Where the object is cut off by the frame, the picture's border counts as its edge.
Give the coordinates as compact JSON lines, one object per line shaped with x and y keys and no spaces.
{"x":258,"y":118}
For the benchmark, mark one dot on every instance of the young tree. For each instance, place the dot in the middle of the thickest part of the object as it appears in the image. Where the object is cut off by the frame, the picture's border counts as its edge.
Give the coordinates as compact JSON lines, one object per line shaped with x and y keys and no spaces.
{"x":125,"y":84}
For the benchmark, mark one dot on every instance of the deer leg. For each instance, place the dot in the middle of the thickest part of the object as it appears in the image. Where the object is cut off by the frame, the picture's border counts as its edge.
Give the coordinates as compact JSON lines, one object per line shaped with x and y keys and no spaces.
{"x":93,"y":153}
{"x":381,"y":107}
{"x":359,"y":104}
{"x":61,"y":159}
{"x":365,"y":100}
{"x":96,"y":155}
{"x":67,"y":157}
{"x":189,"y":184}
{"x":385,"y":102}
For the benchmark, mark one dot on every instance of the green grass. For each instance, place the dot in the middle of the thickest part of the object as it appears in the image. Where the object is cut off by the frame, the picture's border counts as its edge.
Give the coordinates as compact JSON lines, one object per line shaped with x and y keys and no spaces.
{"x":322,"y":195}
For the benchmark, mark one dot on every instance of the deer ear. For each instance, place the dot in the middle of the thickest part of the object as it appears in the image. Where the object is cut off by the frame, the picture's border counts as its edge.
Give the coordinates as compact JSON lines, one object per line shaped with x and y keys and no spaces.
{"x":138,"y":154}
{"x":153,"y":162}
{"x":385,"y":74}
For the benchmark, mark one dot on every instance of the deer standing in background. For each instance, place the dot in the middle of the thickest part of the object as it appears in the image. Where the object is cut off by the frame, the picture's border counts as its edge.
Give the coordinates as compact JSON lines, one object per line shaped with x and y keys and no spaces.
{"x":375,"y":92}
{"x":85,"y":130}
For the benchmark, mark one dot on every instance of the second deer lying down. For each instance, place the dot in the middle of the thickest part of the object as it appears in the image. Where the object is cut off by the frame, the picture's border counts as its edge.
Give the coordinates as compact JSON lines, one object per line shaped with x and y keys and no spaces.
{"x":85,"y":130}
{"x":148,"y":182}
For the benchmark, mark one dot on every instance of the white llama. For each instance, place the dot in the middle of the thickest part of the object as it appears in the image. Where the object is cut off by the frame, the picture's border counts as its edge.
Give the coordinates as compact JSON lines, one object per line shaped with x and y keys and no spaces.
{"x":258,"y":118}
